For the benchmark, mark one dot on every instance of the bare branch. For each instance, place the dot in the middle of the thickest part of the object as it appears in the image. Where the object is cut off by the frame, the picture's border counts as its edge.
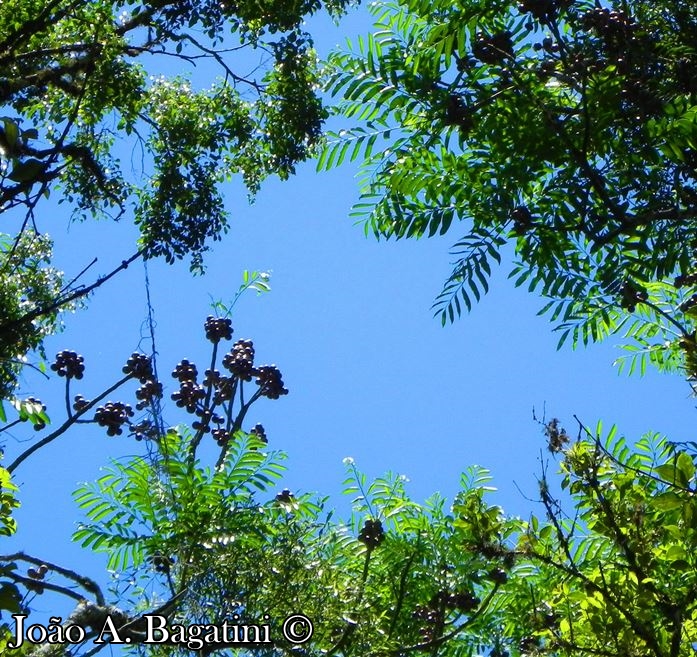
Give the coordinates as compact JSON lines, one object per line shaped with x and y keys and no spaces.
{"x":66,"y":425}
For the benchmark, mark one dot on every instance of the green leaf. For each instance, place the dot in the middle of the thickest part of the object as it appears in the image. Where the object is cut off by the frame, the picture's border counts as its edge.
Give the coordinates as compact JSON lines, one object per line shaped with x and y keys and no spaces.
{"x":28,"y":170}
{"x":686,"y":468}
{"x":11,"y":130}
{"x":10,"y":598}
{"x":668,"y":501}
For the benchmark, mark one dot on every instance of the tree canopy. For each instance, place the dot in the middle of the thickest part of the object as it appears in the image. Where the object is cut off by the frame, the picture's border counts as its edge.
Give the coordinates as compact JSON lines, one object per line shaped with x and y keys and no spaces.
{"x":81,"y":83}
{"x":606,"y":568}
{"x":564,"y":129}
{"x":561,"y":132}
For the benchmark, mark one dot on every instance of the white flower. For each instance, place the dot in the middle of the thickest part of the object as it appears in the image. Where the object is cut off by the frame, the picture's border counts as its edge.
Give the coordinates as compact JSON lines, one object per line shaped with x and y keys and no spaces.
{"x":348,"y":461}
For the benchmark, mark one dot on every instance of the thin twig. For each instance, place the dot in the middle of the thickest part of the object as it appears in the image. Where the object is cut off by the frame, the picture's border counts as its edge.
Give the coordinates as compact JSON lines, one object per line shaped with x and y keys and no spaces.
{"x":59,"y":303}
{"x":70,"y":421}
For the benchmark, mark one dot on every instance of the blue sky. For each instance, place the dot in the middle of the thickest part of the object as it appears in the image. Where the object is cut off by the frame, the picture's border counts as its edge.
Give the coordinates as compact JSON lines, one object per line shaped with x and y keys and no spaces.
{"x":372,"y":374}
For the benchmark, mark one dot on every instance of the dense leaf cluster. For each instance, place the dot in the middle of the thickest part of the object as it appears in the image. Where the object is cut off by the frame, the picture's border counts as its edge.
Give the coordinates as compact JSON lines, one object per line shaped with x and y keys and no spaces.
{"x":608,"y":571}
{"x":27,"y":280}
{"x":77,"y":94}
{"x":565,"y":129}
{"x":617,"y":575}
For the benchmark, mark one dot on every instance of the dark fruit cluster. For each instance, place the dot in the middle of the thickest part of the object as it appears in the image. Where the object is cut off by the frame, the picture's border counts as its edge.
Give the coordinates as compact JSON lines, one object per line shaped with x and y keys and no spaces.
{"x":493,"y":49}
{"x":617,"y":30}
{"x":631,"y":50}
{"x":431,"y":617}
{"x":542,"y":10}
{"x":221,"y":436}
{"x":211,"y":378}
{"x":38,"y":573}
{"x":498,"y":575}
{"x":39,"y":424}
{"x":36,"y":587}
{"x":632,"y":294}
{"x":162,"y":564}
{"x":547,"y":68}
{"x":189,"y":395}
{"x":270,"y":382}
{"x":529,"y":644}
{"x":433,"y":613}
{"x":689,"y":304}
{"x":240,"y":360}
{"x":285,"y":497}
{"x":372,"y":533}
{"x":605,"y":21}
{"x":224,"y":389}
{"x":69,"y":364}
{"x":548,"y":45}
{"x":685,"y":279}
{"x":426,"y":613}
{"x":139,"y":366}
{"x":258,"y":431}
{"x":462,"y":601}
{"x":212,"y":398}
{"x":206,"y":416}
{"x":522,"y":220}
{"x":185,"y":371}
{"x":543,"y":618}
{"x":149,"y":391}
{"x":80,"y":403}
{"x":143,"y":430}
{"x":639,"y":99}
{"x":458,"y":113}
{"x":218,"y":328}
{"x":113,"y":415}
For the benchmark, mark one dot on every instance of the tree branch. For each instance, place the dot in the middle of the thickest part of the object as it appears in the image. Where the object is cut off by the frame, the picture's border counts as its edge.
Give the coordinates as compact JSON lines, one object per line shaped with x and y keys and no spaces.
{"x":85,"y":582}
{"x":56,"y":305}
{"x":69,"y":422}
